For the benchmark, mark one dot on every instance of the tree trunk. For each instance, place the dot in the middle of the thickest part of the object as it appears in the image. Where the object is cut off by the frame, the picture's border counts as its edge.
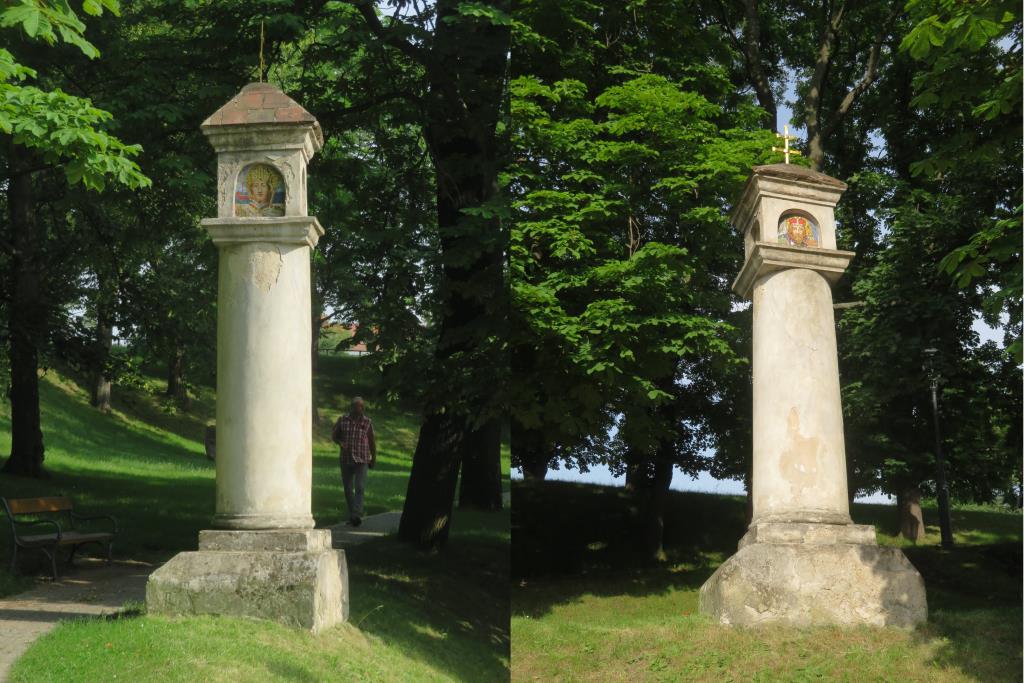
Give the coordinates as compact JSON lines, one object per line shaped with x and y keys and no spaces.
{"x":755,"y":66}
{"x":426,"y":515}
{"x":536,"y":470}
{"x":314,"y":355}
{"x":648,"y":480}
{"x":528,"y":451}
{"x":210,"y":441}
{"x":637,"y":476}
{"x":176,"y":374}
{"x":908,"y":501}
{"x":101,"y":383}
{"x":465,"y":69}
{"x":654,"y":512}
{"x":480,"y":486}
{"x":26,"y":320}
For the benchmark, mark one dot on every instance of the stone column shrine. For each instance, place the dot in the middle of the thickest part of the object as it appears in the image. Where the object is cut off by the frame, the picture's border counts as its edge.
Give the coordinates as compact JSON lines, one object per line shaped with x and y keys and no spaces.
{"x":802,"y":561}
{"x":264,"y":558}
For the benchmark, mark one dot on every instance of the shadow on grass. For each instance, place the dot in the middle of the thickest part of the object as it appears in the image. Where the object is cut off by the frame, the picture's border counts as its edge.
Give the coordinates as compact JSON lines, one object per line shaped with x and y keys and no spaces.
{"x":574,"y":539}
{"x":969,"y":526}
{"x":460,"y":594}
{"x":974,"y":599}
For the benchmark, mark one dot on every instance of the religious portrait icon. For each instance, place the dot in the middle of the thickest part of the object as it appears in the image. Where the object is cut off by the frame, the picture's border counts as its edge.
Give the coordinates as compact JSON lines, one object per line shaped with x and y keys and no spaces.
{"x":798,"y":231}
{"x":259,"y":192}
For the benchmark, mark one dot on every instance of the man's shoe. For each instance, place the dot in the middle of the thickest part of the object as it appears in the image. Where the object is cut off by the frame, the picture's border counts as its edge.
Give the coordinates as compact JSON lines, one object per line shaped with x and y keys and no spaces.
{"x":356,"y":521}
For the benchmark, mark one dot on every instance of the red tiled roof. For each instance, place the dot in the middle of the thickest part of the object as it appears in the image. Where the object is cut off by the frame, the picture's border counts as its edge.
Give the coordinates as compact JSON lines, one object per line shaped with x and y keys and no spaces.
{"x":261,"y":103}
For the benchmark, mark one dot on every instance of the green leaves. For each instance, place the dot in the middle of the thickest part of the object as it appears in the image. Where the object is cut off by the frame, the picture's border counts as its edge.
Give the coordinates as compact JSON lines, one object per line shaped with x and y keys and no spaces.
{"x":479,"y":10}
{"x":47,"y":20}
{"x":64,"y":128}
{"x":957,"y":26}
{"x":68,"y":129}
{"x":11,"y":70}
{"x":927,"y":34}
{"x":971,"y":79}
{"x":618,"y":240}
{"x":951,"y":37}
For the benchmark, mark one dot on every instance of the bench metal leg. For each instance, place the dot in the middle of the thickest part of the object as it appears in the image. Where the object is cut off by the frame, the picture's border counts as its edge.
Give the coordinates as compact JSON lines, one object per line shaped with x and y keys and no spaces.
{"x":14,"y":560}
{"x":52,"y":554}
{"x":110,"y":550}
{"x":71,"y":555}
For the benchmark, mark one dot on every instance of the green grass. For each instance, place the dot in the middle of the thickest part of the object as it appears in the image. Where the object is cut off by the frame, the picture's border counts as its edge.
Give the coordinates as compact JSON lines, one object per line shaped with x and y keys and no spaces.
{"x":586,"y":607}
{"x":440,"y":617}
{"x":144,"y":463}
{"x":413,"y":616}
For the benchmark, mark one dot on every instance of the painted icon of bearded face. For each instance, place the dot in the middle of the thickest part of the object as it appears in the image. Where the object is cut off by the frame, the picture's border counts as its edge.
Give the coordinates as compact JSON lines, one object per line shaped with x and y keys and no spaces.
{"x":798,"y":231}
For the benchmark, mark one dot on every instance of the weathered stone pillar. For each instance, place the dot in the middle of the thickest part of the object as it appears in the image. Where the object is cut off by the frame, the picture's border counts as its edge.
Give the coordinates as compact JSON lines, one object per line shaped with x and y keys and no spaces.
{"x":267,"y":561}
{"x":802,"y":561}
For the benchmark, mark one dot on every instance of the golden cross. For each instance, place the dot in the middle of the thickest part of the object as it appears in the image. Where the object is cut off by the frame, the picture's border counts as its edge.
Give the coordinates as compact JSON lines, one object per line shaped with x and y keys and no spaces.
{"x":786,"y":137}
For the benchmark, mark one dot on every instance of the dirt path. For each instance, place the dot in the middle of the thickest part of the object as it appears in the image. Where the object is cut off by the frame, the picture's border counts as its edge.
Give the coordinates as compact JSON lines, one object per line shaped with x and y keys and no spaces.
{"x":91,"y":588}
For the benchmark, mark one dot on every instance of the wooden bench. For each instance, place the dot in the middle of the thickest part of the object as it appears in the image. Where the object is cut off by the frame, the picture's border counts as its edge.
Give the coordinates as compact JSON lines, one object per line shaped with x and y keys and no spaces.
{"x":51,"y":535}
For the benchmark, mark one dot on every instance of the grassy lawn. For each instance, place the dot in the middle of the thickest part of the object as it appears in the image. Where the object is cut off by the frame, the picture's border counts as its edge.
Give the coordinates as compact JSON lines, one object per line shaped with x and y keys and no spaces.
{"x":413,"y":616}
{"x":586,"y":608}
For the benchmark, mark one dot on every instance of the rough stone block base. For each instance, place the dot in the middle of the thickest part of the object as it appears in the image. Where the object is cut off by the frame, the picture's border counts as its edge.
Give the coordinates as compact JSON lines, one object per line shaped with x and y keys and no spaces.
{"x":815,"y":574}
{"x":291,"y":576}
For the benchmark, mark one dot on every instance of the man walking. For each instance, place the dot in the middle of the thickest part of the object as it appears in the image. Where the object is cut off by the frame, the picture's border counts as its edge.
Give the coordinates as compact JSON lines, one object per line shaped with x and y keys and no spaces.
{"x":354,"y":433}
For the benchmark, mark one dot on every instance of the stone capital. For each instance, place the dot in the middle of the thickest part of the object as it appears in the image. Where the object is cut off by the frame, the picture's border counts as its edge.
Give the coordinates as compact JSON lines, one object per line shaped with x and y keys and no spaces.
{"x":283,"y":230}
{"x":784,"y":181}
{"x":767,"y":257}
{"x":265,"y":137}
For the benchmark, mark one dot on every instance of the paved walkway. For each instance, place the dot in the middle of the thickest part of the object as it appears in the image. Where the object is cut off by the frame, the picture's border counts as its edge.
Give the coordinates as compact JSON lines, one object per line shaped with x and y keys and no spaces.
{"x":374,"y":526}
{"x":90,"y":588}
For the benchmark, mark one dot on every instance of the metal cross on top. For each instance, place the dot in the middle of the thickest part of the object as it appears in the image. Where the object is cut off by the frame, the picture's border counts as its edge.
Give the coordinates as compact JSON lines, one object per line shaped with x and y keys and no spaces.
{"x":786,"y":137}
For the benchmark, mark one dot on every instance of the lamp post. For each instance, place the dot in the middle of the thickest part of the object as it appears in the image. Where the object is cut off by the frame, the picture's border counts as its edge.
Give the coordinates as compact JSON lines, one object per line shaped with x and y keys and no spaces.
{"x":940,"y":463}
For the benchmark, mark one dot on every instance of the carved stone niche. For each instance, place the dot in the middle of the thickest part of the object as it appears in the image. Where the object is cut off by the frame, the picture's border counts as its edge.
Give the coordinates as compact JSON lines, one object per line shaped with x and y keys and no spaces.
{"x":262,"y":134}
{"x":780,"y":191}
{"x":787,"y":215}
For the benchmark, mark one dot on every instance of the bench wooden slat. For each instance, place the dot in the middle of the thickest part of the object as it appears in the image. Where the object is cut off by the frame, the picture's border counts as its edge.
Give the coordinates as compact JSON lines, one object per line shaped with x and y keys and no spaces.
{"x":67,"y":538}
{"x":30,"y":506}
{"x":49,"y":542}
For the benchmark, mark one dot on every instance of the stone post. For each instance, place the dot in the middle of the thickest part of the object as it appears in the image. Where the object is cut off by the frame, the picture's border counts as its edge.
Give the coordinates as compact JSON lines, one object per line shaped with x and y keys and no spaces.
{"x":267,"y":560}
{"x":802,"y":561}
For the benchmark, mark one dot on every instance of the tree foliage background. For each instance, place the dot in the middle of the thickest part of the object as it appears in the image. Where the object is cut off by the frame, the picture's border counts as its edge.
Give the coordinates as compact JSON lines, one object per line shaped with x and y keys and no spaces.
{"x":634,"y":127}
{"x":527,"y":212}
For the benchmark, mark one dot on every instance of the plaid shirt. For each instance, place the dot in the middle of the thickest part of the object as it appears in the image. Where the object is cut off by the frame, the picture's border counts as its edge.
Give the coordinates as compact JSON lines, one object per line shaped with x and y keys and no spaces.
{"x":355,"y":436}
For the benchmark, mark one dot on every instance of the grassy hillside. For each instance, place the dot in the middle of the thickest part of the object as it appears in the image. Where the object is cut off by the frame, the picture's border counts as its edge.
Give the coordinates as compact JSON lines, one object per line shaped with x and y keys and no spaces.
{"x":586,"y":608}
{"x":145,"y":461}
{"x":413,"y":616}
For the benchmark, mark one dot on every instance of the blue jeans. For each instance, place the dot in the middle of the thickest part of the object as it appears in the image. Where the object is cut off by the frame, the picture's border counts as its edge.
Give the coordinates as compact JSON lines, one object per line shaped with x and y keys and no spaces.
{"x":354,"y":477}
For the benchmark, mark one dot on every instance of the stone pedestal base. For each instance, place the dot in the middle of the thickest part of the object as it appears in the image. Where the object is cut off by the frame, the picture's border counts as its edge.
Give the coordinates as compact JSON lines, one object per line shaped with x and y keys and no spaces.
{"x":291,"y":575}
{"x":804,"y":574}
